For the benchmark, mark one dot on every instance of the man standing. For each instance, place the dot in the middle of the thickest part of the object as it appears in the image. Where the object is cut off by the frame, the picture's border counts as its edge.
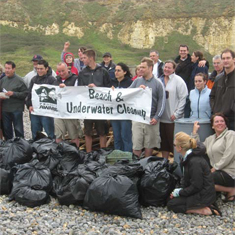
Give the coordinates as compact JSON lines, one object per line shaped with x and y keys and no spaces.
{"x":33,"y":73}
{"x":78,"y":62}
{"x":94,"y":75}
{"x":38,"y":122}
{"x":184,"y":64}
{"x":13,"y":104}
{"x":222,"y":97}
{"x":147,"y":135}
{"x":158,"y":64}
{"x":218,"y":69}
{"x":108,"y":64}
{"x":62,"y":126}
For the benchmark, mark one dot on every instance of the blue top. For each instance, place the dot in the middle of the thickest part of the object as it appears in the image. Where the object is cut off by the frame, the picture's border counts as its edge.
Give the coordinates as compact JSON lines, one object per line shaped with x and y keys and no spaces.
{"x":200,"y":103}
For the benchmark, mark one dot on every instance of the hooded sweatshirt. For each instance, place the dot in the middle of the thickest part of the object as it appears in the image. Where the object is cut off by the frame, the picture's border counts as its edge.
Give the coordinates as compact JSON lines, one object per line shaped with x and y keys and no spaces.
{"x":71,"y":66}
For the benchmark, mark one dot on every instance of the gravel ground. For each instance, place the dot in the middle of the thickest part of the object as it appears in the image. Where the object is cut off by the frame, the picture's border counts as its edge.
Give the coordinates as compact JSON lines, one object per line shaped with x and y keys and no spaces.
{"x":74,"y":220}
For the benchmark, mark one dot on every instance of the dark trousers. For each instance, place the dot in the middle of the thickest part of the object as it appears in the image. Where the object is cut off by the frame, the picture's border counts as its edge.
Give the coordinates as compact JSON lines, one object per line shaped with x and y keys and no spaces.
{"x":10,"y":120}
{"x":177,"y":204}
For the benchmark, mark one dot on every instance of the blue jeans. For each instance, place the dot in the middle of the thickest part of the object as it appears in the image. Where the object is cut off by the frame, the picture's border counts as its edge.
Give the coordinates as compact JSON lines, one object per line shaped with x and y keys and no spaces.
{"x":39,"y":122}
{"x":14,"y":119}
{"x":122,"y":135}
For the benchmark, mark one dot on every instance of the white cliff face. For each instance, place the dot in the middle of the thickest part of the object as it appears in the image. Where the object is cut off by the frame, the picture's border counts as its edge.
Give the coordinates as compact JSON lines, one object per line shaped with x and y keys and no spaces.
{"x":48,"y":30}
{"x":212,"y":34}
{"x":107,"y":29}
{"x":71,"y":29}
{"x":9,"y":23}
{"x":138,"y":35}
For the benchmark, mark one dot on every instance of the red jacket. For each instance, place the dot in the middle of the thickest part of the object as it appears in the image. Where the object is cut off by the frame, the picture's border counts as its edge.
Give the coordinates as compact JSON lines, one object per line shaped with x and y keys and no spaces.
{"x":71,"y":67}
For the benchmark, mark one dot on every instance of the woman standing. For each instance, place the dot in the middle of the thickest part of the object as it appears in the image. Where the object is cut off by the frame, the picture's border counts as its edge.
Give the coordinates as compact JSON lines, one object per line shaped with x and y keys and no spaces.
{"x":199,"y":98}
{"x":122,"y":128}
{"x":196,"y":57}
{"x":220,"y":150}
{"x":197,"y":193}
{"x":176,"y":93}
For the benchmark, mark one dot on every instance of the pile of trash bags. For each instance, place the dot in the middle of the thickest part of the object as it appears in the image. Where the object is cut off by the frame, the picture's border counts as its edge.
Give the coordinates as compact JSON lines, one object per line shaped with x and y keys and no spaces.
{"x":33,"y":171}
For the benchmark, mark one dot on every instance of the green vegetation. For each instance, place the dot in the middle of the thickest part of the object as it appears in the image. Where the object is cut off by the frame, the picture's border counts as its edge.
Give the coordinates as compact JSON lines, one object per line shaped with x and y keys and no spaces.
{"x":95,"y":11}
{"x":20,"y":46}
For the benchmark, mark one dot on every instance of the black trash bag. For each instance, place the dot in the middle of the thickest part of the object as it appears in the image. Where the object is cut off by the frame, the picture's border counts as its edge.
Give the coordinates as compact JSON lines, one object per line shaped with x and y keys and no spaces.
{"x":123,"y":167}
{"x":95,"y":156}
{"x":51,"y":161}
{"x":56,"y":181}
{"x":70,"y":159}
{"x":18,"y":151}
{"x":144,"y":161}
{"x":27,"y":196}
{"x":6,"y":178}
{"x":116,"y":195}
{"x":96,"y":167}
{"x":172,"y":166}
{"x":3,"y":148}
{"x":43,"y":147}
{"x":156,"y":184}
{"x":34,"y":175}
{"x":82,"y":155}
{"x":72,"y":189}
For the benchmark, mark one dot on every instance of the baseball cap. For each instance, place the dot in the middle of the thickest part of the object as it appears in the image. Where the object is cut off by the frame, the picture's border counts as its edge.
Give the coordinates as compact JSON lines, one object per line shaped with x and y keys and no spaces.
{"x":37,"y":57}
{"x":107,"y":54}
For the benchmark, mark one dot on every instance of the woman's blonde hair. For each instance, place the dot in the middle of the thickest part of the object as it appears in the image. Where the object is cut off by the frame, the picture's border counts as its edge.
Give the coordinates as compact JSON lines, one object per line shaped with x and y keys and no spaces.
{"x":185,"y":141}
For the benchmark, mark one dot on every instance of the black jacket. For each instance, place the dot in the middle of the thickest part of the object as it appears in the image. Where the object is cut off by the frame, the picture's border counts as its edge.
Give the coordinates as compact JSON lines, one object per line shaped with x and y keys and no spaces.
{"x":160,"y":69}
{"x":46,"y":79}
{"x":125,"y":83}
{"x":110,"y":69}
{"x":70,"y":81}
{"x":198,"y":184}
{"x":184,"y":68}
{"x":99,"y":76}
{"x":222,"y":97}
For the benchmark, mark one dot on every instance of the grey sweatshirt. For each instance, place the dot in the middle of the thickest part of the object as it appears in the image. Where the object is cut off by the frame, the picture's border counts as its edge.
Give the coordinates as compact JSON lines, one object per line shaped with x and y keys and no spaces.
{"x":20,"y":91}
{"x":176,"y":98}
{"x":158,"y":94}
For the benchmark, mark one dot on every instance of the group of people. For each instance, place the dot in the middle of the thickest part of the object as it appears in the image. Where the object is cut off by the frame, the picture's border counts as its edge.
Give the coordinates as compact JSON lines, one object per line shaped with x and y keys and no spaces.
{"x":180,"y":88}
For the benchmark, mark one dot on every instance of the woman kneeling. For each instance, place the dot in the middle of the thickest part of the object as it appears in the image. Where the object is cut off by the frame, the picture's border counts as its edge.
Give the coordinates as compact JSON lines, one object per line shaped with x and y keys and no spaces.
{"x":198,"y":192}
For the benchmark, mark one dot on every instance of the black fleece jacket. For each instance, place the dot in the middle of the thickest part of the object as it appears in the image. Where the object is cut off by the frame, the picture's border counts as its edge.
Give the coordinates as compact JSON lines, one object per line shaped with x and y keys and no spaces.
{"x":99,"y":76}
{"x":198,"y":184}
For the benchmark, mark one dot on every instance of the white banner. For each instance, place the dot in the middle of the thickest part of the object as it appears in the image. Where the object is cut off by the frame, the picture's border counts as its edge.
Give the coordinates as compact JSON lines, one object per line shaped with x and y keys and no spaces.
{"x":82,"y":102}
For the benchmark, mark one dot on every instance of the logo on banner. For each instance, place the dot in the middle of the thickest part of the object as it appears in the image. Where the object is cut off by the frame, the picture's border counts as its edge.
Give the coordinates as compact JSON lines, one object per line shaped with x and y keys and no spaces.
{"x":47,"y":98}
{"x":47,"y":95}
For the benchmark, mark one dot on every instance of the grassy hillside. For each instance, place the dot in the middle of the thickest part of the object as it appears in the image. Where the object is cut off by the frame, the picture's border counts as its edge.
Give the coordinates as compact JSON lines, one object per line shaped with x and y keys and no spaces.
{"x":20,"y":47}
